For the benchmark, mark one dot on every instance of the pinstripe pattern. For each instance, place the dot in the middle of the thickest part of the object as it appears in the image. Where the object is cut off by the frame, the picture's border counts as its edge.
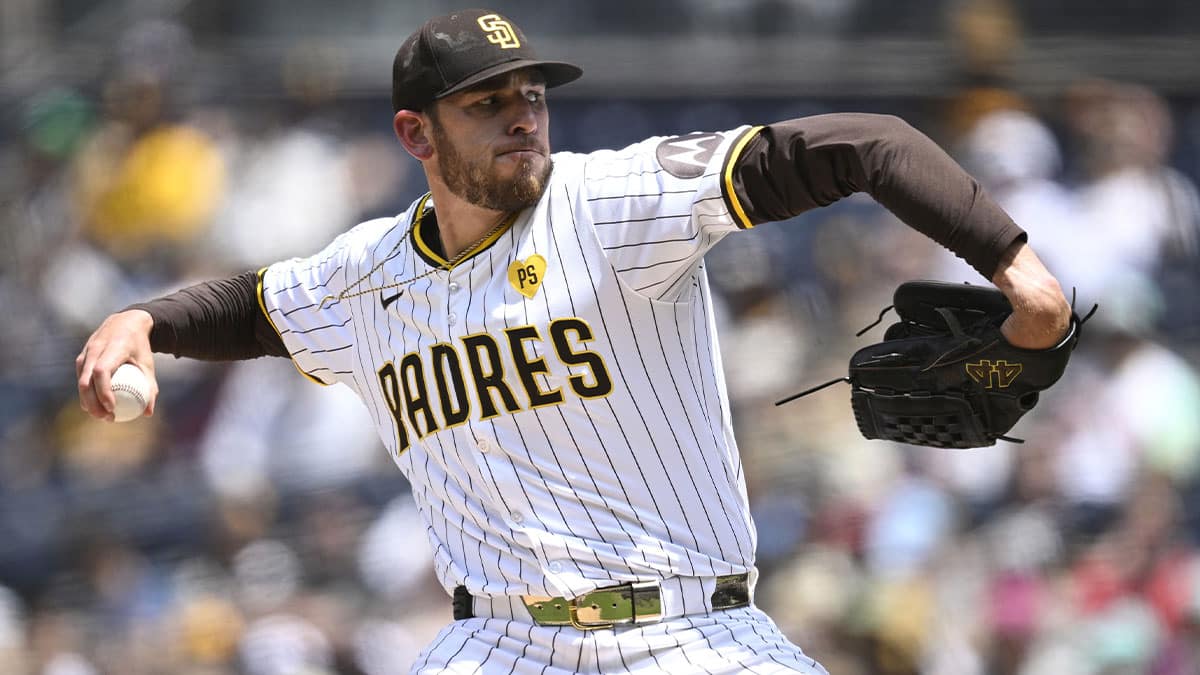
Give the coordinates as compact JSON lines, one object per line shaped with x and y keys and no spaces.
{"x":737,"y":641}
{"x":596,"y":444}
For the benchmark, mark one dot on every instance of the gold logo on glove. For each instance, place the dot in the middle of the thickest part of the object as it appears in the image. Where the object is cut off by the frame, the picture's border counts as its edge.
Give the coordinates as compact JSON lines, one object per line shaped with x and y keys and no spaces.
{"x":500,"y":32}
{"x":1005,"y":373}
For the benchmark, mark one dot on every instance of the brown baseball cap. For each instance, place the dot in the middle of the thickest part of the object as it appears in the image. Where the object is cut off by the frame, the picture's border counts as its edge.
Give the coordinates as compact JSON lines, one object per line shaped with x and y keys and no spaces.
{"x":452,"y":52}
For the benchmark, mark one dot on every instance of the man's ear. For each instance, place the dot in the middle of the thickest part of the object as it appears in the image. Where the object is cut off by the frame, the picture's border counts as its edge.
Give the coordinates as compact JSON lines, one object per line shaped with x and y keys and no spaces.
{"x":412,"y":128}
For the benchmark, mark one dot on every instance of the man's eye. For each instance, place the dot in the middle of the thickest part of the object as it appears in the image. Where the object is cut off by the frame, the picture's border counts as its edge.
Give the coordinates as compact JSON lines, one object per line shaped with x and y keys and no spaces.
{"x":534,"y":96}
{"x":486,"y":101}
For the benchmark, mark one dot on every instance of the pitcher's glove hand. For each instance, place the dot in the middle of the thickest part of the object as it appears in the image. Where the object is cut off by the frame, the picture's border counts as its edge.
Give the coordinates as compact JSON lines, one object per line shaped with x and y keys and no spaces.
{"x":944,"y":376}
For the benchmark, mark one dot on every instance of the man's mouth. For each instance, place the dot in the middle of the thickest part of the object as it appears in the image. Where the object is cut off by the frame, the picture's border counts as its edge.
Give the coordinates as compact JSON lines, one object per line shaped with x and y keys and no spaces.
{"x":524,"y":151}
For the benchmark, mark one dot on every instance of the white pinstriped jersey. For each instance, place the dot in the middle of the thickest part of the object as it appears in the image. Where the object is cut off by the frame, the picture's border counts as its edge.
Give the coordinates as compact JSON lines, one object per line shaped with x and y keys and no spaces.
{"x":556,"y":398}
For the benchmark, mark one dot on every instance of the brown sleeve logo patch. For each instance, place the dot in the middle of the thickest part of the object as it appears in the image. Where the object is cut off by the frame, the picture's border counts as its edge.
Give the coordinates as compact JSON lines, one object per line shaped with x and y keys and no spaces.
{"x":687,"y":156}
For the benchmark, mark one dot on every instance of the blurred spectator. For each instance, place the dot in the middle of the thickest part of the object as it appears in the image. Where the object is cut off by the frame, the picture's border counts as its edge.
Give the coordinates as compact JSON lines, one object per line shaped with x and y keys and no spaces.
{"x":1135,"y":207}
{"x":758,"y":327}
{"x":1017,"y":159}
{"x":12,"y":632}
{"x":33,"y":189}
{"x":985,"y":37}
{"x":209,"y":631}
{"x":394,"y":555}
{"x":146,"y":180}
{"x":907,"y":529}
{"x":285,"y":645}
{"x":145,"y":184}
{"x":36,"y":223}
{"x":287,"y":436}
{"x":294,"y":165}
{"x":1135,"y":412}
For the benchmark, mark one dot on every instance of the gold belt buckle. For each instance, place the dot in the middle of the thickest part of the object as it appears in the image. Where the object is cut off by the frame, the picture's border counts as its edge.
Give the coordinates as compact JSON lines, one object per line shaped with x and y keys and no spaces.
{"x":600,"y":609}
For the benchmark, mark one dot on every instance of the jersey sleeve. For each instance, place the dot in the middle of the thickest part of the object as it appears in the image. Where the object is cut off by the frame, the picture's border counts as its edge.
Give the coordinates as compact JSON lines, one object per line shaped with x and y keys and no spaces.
{"x":300,"y":298}
{"x":657,"y":206}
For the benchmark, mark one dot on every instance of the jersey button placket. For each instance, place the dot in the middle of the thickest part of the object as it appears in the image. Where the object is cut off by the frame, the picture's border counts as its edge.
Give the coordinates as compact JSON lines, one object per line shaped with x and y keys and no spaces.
{"x":456,"y":304}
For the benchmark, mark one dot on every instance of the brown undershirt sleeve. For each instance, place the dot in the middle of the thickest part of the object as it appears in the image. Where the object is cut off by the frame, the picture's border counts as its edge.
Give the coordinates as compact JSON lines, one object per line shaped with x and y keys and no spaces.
{"x":213,"y":321}
{"x":794,"y":166}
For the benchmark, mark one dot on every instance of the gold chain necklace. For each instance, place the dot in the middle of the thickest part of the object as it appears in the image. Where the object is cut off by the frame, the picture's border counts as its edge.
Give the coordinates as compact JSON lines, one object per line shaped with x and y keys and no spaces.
{"x":449,"y":265}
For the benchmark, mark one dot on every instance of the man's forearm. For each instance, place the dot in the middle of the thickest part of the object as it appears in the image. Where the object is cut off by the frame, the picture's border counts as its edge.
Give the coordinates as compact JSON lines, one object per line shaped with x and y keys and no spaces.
{"x":214,"y":321}
{"x":801,"y":164}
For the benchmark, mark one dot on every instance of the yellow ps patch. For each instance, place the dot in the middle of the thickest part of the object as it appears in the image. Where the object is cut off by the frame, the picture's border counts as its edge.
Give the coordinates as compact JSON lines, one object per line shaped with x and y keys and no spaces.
{"x":526,"y":275}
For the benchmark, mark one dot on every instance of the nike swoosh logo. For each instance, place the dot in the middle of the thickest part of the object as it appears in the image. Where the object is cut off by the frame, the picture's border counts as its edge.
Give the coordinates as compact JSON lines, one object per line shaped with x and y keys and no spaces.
{"x":385,"y":300}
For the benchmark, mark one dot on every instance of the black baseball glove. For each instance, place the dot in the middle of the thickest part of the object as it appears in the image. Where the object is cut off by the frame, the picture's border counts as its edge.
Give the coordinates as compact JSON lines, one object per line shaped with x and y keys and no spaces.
{"x":944,"y":376}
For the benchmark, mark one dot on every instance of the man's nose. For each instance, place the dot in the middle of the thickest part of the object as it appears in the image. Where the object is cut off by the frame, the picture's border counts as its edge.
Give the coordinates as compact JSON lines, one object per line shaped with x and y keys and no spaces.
{"x":524,"y":119}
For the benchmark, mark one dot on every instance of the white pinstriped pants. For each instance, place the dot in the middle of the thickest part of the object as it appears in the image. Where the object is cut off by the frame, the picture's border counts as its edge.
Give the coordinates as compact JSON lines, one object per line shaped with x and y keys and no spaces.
{"x":741,"y":640}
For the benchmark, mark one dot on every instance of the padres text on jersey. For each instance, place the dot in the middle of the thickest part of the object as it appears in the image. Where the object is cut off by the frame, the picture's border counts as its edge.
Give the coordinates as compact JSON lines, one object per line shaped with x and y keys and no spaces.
{"x":570,"y":357}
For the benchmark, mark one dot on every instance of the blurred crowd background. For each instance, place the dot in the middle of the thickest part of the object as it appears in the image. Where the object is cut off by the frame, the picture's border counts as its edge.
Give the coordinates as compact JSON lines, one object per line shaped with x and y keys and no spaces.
{"x":254,"y":524}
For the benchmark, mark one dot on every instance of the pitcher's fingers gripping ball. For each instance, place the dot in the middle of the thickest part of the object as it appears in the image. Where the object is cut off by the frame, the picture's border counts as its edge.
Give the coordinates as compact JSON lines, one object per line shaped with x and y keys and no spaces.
{"x":132,"y":391}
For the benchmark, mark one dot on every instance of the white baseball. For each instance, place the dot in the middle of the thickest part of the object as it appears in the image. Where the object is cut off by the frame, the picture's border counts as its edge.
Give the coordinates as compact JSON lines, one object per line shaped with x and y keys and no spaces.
{"x":132,"y":389}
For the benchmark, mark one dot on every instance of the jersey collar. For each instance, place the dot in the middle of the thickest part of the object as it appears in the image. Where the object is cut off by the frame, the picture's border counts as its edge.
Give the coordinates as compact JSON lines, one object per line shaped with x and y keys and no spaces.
{"x":428,"y":244}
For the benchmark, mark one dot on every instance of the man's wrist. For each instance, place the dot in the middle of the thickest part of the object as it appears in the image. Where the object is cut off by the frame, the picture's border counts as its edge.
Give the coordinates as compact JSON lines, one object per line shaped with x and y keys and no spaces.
{"x":1003,"y":277}
{"x":141,"y":317}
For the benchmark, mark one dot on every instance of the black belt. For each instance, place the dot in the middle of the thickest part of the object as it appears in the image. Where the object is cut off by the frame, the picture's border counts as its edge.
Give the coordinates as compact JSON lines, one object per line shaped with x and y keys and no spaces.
{"x":628,"y":603}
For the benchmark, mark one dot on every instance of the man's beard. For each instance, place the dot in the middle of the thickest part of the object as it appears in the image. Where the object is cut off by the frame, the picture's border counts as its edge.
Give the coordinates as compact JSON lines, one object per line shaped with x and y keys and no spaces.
{"x":473,"y":182}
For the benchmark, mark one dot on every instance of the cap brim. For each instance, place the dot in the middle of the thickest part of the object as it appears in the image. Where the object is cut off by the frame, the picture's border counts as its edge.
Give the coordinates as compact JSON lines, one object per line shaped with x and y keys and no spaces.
{"x":556,"y":73}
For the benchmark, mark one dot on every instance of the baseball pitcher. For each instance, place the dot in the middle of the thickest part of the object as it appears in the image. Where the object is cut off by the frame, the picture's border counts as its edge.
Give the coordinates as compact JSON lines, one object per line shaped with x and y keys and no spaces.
{"x":534,"y":340}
